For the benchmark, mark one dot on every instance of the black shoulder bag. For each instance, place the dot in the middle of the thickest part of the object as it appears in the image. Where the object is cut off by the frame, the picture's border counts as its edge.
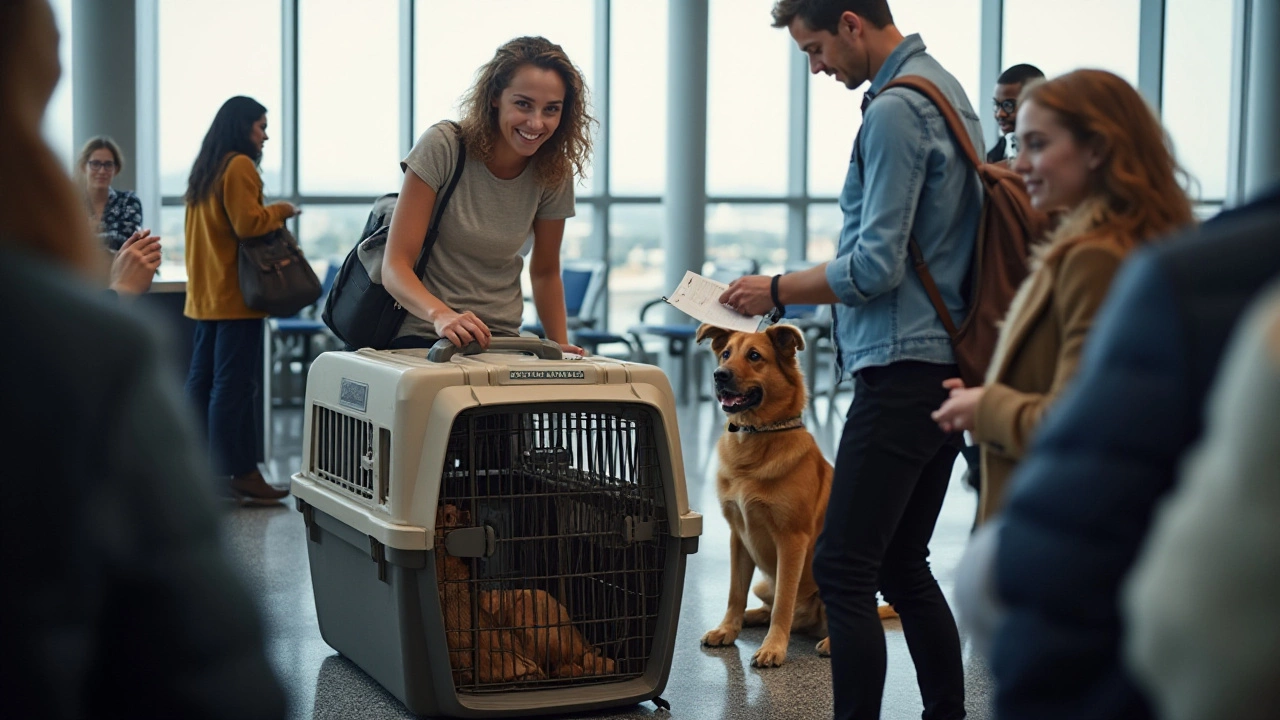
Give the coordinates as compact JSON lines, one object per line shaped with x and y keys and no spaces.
{"x":359,"y":310}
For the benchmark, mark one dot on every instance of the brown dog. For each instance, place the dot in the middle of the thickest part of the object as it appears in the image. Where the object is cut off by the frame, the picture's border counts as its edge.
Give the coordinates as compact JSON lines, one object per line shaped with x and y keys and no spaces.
{"x":773,"y":484}
{"x":514,"y":629}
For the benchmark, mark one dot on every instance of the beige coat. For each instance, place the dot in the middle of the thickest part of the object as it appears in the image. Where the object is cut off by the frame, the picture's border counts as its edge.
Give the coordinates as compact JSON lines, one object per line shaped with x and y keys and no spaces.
{"x":1039,"y":345}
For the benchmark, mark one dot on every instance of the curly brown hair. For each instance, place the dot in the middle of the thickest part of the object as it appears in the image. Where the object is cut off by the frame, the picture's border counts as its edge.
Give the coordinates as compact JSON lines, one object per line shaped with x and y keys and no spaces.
{"x":568,"y":150}
{"x":1139,"y":179}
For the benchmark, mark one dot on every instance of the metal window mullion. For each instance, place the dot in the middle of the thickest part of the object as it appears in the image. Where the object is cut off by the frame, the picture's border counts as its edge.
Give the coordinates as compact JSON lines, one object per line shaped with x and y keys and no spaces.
{"x":289,"y":184}
{"x":1151,"y":16}
{"x":406,"y":90}
{"x":797,"y":241}
{"x":147,"y":106}
{"x":604,"y":84}
{"x":990,"y":60}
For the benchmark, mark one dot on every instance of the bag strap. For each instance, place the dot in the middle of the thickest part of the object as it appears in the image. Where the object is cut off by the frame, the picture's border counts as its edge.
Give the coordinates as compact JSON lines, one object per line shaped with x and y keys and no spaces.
{"x":960,"y":135}
{"x":433,"y":230}
{"x":958,"y":132}
{"x":931,"y":287}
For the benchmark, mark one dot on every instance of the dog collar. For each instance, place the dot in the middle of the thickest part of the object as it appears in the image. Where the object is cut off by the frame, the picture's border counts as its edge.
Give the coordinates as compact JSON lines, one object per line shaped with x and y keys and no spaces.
{"x":788,"y":424}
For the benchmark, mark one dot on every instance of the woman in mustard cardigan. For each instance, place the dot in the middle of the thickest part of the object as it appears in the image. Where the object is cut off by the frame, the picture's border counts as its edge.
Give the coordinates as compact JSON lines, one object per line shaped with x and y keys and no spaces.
{"x":224,"y":205}
{"x":1093,"y":151}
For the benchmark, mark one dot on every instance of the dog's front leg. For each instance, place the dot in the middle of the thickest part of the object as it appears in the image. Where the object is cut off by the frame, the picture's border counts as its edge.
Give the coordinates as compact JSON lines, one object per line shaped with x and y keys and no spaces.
{"x":791,"y":554}
{"x":741,"y":568}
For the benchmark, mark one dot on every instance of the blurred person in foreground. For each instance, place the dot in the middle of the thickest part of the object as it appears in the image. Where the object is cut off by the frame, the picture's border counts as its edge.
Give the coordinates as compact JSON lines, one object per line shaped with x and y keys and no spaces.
{"x":1043,"y":579}
{"x":121,"y":603}
{"x":1219,"y":529}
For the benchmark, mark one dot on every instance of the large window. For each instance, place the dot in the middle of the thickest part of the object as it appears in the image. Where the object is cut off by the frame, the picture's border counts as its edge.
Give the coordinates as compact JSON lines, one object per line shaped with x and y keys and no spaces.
{"x":57,"y":116}
{"x":638,"y":95}
{"x":756,"y":232}
{"x":201,"y":67}
{"x":348,"y":80}
{"x":746,"y":100}
{"x":351,"y":128}
{"x":1197,"y":91}
{"x":636,"y":258}
{"x":1061,"y":37}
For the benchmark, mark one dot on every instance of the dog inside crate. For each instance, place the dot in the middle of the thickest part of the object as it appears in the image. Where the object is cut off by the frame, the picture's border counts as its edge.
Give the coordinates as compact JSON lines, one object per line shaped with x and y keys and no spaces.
{"x":546,"y":560}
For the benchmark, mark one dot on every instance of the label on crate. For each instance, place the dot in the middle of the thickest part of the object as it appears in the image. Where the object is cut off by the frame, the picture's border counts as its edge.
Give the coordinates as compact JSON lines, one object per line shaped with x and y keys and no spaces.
{"x":354,"y":395}
{"x":547,"y":375}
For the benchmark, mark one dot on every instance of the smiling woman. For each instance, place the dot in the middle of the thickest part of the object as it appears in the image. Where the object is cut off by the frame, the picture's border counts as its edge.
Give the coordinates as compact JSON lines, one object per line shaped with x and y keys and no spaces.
{"x":1095,"y":153}
{"x":526,"y":133}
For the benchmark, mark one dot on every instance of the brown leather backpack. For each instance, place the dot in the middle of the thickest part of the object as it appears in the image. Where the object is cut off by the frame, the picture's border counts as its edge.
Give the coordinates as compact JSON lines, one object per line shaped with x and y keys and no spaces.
{"x":1007,"y":229}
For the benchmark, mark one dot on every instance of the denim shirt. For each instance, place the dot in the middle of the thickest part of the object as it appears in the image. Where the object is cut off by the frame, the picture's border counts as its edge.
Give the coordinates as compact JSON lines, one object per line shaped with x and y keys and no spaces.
{"x":906,"y":176}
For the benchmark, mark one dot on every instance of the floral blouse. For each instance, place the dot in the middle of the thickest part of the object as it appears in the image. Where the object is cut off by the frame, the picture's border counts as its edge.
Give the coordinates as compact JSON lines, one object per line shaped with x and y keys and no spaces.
{"x":121,"y":217}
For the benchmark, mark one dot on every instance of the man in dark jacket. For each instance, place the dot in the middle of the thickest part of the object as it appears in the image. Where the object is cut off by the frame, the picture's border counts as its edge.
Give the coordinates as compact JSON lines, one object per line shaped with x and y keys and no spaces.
{"x":1081,"y":503}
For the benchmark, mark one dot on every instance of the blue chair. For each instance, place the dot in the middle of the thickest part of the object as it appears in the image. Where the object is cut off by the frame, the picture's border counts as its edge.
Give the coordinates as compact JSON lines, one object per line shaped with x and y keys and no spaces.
{"x":680,"y":337}
{"x":584,"y":288}
{"x":293,"y":342}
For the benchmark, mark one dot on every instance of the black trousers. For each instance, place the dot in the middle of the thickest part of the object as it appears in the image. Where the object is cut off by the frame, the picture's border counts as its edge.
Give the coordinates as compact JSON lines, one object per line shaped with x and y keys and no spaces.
{"x":891,"y":474}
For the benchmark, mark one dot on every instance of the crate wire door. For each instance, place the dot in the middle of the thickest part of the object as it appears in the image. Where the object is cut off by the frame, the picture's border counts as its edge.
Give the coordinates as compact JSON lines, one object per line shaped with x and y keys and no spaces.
{"x":549,"y":545}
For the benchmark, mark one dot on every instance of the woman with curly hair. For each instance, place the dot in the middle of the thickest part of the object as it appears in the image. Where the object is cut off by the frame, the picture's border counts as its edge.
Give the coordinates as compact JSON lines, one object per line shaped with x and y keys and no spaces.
{"x":1093,"y":152}
{"x":526,"y":129}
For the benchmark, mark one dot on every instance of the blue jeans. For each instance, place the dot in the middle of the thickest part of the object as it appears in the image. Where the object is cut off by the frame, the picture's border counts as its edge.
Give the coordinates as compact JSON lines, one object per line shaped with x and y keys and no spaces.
{"x":891,"y":474}
{"x":221,"y":385}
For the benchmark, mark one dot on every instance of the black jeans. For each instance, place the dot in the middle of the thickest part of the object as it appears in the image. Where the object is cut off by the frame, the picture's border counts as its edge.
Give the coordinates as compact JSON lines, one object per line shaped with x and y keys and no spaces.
{"x":891,"y":474}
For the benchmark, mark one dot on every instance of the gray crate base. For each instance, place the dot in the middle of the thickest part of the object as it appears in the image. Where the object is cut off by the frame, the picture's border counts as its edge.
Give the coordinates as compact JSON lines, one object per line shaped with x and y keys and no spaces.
{"x":392,"y":629}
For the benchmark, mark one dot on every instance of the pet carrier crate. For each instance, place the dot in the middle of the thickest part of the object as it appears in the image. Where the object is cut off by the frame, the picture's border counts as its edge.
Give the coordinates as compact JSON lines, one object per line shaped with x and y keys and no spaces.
{"x":496,"y":534}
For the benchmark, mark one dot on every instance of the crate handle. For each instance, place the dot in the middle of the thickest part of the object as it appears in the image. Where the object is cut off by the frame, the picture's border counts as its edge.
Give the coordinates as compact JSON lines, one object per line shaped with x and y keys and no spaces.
{"x":471,"y":542}
{"x":443,"y":350}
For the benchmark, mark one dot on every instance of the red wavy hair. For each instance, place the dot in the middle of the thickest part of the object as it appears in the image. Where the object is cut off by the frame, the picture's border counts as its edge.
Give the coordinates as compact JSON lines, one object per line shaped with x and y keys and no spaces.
{"x":1139,"y":180}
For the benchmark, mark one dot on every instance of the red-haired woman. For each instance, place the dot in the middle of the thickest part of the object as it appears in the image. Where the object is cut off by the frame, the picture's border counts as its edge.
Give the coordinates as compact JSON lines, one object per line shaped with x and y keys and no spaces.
{"x":1092,"y":150}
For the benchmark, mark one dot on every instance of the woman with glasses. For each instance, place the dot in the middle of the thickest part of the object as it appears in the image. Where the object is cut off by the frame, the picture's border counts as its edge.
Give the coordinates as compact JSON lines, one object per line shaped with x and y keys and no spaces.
{"x":115,"y":214}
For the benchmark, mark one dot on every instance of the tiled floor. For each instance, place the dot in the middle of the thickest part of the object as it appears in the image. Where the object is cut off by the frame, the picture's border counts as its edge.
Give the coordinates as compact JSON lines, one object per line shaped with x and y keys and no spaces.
{"x":270,"y":546}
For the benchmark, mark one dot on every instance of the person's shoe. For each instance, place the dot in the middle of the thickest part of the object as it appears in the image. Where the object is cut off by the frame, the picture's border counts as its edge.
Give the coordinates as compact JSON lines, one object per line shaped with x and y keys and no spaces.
{"x":252,"y":489}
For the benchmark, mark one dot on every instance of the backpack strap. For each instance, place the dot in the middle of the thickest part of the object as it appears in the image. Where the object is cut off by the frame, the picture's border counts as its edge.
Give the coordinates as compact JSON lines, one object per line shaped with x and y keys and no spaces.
{"x":434,"y":228}
{"x":958,"y":132}
{"x":961,"y":136}
{"x":931,"y":287}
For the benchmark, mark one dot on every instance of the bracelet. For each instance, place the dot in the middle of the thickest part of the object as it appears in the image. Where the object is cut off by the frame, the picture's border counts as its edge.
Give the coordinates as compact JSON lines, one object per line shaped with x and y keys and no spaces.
{"x":778,"y":308}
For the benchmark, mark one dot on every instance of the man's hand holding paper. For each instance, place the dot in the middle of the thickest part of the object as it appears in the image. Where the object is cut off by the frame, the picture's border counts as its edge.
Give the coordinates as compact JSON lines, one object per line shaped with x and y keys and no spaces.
{"x":749,"y":295}
{"x":700,"y":298}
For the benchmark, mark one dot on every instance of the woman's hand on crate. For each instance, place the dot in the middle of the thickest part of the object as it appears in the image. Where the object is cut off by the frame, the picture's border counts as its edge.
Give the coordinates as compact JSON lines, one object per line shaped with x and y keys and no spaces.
{"x":461,"y":328}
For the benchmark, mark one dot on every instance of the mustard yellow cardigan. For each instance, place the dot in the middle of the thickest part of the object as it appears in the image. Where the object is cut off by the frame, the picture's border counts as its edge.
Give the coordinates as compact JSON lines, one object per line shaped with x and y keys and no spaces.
{"x":214,"y":227}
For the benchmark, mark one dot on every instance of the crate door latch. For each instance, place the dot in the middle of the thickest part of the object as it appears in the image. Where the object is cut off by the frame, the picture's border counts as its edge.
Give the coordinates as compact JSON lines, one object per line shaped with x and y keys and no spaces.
{"x":471,"y":542}
{"x":635,"y":530}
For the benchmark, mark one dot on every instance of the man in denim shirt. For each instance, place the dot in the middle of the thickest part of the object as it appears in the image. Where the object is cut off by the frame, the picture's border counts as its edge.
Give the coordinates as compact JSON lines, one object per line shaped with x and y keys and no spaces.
{"x":906,"y":176}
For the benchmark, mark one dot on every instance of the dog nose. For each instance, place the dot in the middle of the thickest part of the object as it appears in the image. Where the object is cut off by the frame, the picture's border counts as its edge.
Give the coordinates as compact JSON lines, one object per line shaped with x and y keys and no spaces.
{"x":722,"y":376}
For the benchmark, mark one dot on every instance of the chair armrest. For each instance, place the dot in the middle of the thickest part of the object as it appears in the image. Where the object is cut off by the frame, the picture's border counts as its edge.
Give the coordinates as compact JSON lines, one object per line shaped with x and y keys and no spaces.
{"x":645,"y":308}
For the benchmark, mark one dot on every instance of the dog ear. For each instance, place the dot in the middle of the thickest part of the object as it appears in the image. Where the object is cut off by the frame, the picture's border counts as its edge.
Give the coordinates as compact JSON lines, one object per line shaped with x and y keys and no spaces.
{"x":718,"y":335}
{"x":787,"y":339}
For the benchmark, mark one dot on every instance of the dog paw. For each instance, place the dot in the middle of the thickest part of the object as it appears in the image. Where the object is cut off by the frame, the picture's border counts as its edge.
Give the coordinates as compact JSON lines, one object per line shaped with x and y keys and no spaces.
{"x":824,"y":647}
{"x":756,"y":616}
{"x":720,"y":637}
{"x":768,"y":656}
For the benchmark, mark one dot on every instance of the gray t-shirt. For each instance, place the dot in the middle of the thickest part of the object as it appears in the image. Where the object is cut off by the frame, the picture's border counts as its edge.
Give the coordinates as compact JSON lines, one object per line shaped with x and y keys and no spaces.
{"x":476,"y":262}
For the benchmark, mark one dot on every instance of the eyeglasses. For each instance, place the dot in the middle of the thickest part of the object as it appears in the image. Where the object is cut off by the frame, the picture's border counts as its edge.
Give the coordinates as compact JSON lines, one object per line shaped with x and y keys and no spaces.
{"x":1008,"y":106}
{"x":101,"y":165}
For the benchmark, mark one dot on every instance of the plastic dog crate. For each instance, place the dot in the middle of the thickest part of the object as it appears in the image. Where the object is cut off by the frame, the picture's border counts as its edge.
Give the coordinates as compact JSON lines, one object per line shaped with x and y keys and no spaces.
{"x":499,"y":534}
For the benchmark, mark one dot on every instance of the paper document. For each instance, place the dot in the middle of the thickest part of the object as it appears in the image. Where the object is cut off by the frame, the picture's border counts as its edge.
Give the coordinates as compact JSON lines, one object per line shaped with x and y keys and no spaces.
{"x":699,"y":298}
